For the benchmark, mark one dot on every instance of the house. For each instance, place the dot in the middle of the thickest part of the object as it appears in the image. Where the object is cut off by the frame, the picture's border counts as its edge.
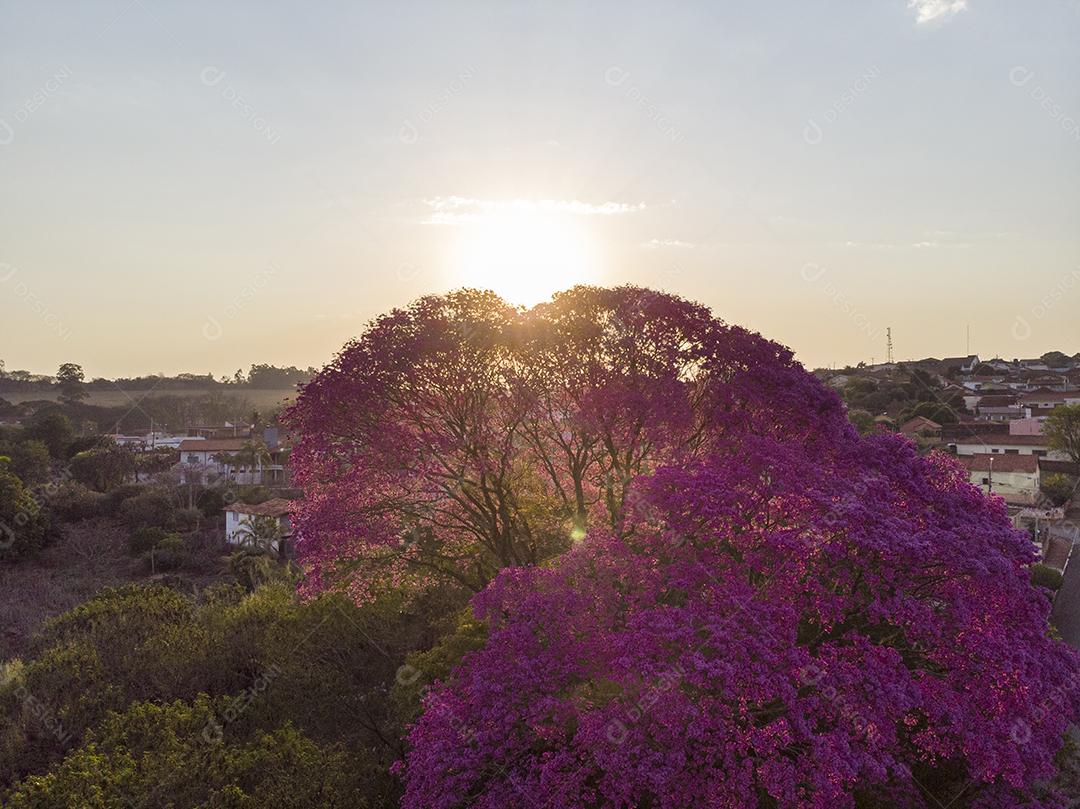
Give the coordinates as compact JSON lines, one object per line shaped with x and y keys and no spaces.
{"x":920,"y":425}
{"x":1028,"y":426}
{"x":1046,"y":400}
{"x":963,"y":365}
{"x":1005,"y":444}
{"x":240,"y":517}
{"x":999,"y":408}
{"x":1013,"y":477}
{"x":242,"y":460}
{"x":203,"y":459}
{"x":951,"y":433}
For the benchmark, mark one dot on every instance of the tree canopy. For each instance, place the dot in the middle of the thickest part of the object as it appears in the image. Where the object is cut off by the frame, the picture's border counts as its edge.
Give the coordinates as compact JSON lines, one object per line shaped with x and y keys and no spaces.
{"x":794,"y":625}
{"x":462,"y":435}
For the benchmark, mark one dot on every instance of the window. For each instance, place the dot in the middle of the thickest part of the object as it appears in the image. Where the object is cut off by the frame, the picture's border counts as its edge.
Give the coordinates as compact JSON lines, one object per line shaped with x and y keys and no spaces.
{"x":1012,"y":452}
{"x":1041,"y":453}
{"x":193,"y":458}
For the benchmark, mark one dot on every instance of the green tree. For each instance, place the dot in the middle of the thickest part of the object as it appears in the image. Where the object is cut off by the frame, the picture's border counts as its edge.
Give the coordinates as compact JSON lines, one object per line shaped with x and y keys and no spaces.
{"x":29,"y":460}
{"x":862,"y":419}
{"x":70,"y":378}
{"x":24,"y":525}
{"x":259,"y":532}
{"x":54,"y":429}
{"x":1062,"y":430}
{"x":1058,"y":488}
{"x":104,"y":467}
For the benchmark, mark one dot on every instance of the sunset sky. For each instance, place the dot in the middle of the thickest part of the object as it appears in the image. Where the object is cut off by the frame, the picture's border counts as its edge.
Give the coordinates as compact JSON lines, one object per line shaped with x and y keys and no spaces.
{"x":199,"y":186}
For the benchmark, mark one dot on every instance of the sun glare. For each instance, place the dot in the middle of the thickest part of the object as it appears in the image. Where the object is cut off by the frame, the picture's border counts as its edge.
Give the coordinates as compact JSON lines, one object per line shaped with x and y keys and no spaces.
{"x":523,"y":256}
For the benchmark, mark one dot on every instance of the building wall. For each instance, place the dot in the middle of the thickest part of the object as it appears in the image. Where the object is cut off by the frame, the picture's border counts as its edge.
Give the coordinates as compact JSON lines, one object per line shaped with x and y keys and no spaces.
{"x":1025,"y":427}
{"x":1015,"y":487}
{"x":233,"y":521}
{"x":998,"y":445}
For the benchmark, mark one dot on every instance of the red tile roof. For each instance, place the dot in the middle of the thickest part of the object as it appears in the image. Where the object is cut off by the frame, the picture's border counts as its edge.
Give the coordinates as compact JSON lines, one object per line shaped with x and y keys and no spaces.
{"x":919,"y":423}
{"x":1004,"y":440}
{"x":1002,"y":463}
{"x":278,"y":507}
{"x":212,"y":445}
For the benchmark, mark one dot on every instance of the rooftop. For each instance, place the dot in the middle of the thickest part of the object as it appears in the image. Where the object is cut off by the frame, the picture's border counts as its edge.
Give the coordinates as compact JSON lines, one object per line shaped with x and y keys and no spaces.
{"x":1001,"y":463}
{"x":278,"y":507}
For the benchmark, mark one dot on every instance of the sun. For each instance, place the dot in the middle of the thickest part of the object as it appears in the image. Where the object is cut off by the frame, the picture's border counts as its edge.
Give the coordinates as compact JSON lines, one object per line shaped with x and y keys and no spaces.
{"x":524,"y":256}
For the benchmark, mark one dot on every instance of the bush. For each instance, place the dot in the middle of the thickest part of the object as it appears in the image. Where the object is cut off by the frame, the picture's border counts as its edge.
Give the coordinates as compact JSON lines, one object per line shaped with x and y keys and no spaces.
{"x":328,"y":664}
{"x":117,"y":496}
{"x":171,"y":553}
{"x":30,"y":460}
{"x":195,"y":756}
{"x":187,"y":520}
{"x":211,"y":502}
{"x":1058,"y":488}
{"x":143,"y":539}
{"x":72,"y":502}
{"x":154,"y":507}
{"x":24,"y":524}
{"x":1046,"y":576}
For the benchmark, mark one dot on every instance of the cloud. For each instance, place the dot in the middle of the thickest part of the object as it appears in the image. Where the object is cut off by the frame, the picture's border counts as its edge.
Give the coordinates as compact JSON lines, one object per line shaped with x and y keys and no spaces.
{"x":928,"y":10}
{"x":457,"y":210}
{"x":653,"y":244}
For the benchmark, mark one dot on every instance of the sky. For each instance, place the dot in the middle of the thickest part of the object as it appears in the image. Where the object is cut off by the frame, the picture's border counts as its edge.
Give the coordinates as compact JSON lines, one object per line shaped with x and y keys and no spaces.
{"x":196,"y":187}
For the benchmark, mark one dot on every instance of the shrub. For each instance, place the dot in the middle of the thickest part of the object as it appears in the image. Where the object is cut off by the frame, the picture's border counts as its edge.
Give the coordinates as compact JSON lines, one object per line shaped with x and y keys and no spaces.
{"x":24,"y":524}
{"x":1058,"y":488}
{"x":211,"y":502}
{"x":154,"y":507}
{"x":171,"y":553}
{"x":191,"y":755}
{"x":116,"y":496}
{"x":1046,"y":576}
{"x":143,"y":539}
{"x":187,"y":520}
{"x":73,"y":502}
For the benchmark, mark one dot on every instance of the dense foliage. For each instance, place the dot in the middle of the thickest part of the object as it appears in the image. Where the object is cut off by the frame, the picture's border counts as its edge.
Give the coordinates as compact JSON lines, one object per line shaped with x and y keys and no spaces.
{"x":608,"y":551}
{"x":461,"y":435}
{"x":144,"y":694}
{"x":869,"y":639}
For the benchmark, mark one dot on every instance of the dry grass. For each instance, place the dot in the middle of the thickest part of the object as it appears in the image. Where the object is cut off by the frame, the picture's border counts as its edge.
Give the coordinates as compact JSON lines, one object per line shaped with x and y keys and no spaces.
{"x":92,"y":555}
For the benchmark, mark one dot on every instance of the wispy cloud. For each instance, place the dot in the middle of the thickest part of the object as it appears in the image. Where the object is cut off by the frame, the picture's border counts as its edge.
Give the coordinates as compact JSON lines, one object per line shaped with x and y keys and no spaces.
{"x":654,"y":244}
{"x":928,"y":10}
{"x":457,"y":210}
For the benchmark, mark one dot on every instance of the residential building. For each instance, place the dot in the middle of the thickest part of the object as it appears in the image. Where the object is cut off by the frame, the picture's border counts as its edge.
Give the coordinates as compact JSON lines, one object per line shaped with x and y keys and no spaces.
{"x":920,"y":425}
{"x":1013,"y":477}
{"x":1026,"y":426}
{"x":240,"y":520}
{"x":1033,"y":445}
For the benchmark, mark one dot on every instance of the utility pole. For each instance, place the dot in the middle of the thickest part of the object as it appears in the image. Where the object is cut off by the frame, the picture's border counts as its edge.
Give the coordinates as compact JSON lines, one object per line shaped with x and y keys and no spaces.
{"x":990,"y":478}
{"x":888,"y":343}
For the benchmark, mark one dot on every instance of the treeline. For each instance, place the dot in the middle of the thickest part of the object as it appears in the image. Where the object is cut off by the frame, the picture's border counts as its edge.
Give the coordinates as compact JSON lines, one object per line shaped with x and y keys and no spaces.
{"x":170,"y":411}
{"x":259,"y":377}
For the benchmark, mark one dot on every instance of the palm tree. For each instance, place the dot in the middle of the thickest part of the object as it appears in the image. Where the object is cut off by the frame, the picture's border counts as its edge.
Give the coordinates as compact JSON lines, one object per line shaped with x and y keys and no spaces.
{"x":253,"y":454}
{"x":259,"y":532}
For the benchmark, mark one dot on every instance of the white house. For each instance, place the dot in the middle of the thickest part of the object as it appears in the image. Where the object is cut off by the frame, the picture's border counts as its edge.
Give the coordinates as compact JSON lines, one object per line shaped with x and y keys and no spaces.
{"x":1014,"y":477}
{"x":1001,"y":444}
{"x":208,"y":458}
{"x":238,"y":516}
